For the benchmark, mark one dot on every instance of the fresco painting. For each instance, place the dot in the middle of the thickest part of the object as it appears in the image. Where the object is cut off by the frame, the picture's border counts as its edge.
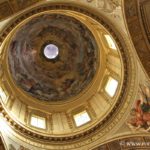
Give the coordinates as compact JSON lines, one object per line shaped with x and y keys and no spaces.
{"x":61,"y":78}
{"x":140,"y":114}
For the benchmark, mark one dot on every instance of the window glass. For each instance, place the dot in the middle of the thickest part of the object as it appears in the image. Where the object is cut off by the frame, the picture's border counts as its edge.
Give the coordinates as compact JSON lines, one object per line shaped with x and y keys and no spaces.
{"x":38,"y":122}
{"x":81,"y":118}
{"x":111,"y":86}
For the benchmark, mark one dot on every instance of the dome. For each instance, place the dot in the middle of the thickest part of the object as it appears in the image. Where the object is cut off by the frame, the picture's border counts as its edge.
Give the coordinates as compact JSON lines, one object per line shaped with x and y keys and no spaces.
{"x":53,"y":57}
{"x":67,"y":72}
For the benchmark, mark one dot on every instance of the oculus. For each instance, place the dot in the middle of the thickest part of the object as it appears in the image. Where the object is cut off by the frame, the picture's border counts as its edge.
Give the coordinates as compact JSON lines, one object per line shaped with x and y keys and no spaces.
{"x":51,"y":51}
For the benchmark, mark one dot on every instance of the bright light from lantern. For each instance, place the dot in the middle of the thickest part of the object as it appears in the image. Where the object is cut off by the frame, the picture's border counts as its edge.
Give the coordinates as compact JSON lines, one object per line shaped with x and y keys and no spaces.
{"x":51,"y":51}
{"x":111,"y":86}
{"x":110,"y":42}
{"x":81,"y":118}
{"x":38,"y":122}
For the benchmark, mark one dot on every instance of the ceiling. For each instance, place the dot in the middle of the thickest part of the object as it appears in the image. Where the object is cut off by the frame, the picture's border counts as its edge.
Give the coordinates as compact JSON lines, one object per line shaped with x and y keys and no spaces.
{"x":74,"y":81}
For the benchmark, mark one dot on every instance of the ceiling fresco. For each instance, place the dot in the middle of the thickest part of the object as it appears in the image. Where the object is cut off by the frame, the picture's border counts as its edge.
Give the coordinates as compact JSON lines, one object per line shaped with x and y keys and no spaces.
{"x":53,"y":79}
{"x":139,"y":118}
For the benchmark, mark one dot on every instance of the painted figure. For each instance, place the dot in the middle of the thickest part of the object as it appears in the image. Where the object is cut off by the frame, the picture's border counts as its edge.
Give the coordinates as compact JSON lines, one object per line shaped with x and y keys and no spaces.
{"x":140,"y":114}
